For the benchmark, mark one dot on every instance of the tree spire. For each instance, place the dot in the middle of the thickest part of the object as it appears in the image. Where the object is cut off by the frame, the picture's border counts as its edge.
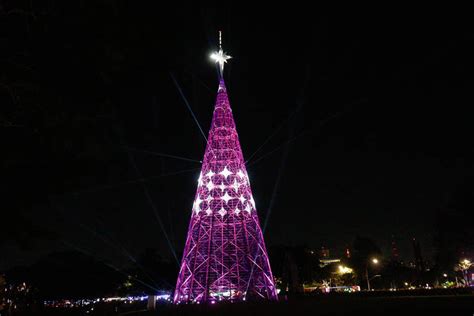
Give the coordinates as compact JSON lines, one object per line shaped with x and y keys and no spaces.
{"x":220,"y":57}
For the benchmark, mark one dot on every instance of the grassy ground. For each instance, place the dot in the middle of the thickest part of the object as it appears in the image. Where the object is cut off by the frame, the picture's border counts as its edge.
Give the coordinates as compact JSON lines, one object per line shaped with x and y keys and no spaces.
{"x":346,"y":305}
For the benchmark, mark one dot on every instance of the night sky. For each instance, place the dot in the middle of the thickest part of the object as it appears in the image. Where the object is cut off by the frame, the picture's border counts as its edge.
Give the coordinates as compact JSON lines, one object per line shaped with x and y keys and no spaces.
{"x":366,"y":122}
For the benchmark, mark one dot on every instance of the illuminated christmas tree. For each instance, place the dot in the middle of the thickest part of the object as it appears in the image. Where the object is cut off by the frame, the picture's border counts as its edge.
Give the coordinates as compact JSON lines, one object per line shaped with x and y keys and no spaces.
{"x":224,"y":258}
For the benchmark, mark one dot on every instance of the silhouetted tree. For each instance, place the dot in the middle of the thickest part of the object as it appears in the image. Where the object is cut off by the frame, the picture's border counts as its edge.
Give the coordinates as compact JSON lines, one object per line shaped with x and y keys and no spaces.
{"x":69,"y":274}
{"x":3,"y":285}
{"x":162,"y":272}
{"x":454,"y":237}
{"x":395,"y":275}
{"x":363,"y":249}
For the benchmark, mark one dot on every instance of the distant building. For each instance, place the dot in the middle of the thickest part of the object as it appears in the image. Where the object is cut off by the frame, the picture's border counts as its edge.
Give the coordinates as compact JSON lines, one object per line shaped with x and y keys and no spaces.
{"x":347,"y":253}
{"x":394,"y":251}
{"x":419,"y":263}
{"x":324,"y":252}
{"x":326,"y":262}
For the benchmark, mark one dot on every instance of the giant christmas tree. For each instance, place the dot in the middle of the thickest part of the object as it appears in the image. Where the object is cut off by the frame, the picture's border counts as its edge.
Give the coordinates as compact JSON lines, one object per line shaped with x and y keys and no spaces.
{"x":224,"y":256}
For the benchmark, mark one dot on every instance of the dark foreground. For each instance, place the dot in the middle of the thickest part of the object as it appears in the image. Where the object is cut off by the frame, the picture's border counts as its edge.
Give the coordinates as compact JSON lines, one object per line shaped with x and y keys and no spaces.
{"x":320,"y":305}
{"x":445,"y":305}
{"x":456,"y":305}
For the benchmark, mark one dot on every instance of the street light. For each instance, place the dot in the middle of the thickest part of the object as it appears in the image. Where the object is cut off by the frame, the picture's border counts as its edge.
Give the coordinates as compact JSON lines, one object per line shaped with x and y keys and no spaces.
{"x":375,"y":276}
{"x":374,"y":261}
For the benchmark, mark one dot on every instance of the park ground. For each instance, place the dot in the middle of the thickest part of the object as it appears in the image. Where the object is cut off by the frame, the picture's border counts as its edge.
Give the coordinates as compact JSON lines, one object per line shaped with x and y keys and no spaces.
{"x":446,"y":305}
{"x":344,"y":305}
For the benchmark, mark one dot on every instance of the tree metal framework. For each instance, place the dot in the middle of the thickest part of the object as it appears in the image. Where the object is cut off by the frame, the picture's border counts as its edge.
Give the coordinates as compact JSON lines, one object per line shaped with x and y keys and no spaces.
{"x":224,"y":258}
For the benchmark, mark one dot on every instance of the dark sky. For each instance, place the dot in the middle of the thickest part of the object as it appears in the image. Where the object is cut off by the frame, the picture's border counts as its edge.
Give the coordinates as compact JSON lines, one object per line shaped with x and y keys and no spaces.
{"x":372,"y":114}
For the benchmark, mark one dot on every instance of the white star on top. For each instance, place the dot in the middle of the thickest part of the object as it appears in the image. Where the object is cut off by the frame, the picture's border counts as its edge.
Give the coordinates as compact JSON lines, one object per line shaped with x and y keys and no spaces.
{"x":222,"y":211}
{"x":210,"y":185}
{"x":209,"y":199}
{"x":209,"y":211}
{"x":242,"y":199}
{"x":220,"y":58}
{"x":237,"y":211}
{"x":226,"y":197}
{"x":200,"y":179}
{"x":225,"y":172}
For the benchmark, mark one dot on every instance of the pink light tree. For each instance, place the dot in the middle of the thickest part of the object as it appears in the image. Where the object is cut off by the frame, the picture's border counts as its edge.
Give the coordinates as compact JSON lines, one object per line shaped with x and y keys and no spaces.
{"x":224,"y":258}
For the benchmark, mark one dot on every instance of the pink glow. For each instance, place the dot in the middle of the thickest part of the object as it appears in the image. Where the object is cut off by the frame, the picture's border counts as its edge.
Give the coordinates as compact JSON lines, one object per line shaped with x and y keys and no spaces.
{"x":225,"y":258}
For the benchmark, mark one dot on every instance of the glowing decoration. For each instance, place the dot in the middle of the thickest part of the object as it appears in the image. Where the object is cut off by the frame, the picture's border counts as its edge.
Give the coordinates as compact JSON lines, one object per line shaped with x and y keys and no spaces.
{"x":210,"y":185}
{"x":226,"y":197}
{"x":210,"y":174}
{"x":196,"y":209}
{"x":197,"y":205}
{"x":225,"y":172}
{"x":207,"y":209}
{"x":222,"y":187}
{"x":224,"y":257}
{"x":248,"y":208}
{"x":220,"y":58}
{"x":252,"y":201}
{"x":236,"y":186}
{"x":241,"y":175}
{"x":222,"y":212}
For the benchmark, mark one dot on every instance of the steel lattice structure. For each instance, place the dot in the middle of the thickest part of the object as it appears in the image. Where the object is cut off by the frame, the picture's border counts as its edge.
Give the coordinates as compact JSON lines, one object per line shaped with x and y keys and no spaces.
{"x":224,"y":256}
